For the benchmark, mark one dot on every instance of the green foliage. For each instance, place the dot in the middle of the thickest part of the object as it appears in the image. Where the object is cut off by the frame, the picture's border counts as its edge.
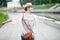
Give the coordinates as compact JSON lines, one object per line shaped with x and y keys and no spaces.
{"x":47,"y":6}
{"x":34,"y":2}
{"x":8,"y":0}
{"x":3,"y":17}
{"x":4,"y":2}
{"x":37,"y":2}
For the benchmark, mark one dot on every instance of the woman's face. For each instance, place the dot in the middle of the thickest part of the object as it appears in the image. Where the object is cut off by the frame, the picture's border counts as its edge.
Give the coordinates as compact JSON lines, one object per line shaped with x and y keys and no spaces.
{"x":30,"y":8}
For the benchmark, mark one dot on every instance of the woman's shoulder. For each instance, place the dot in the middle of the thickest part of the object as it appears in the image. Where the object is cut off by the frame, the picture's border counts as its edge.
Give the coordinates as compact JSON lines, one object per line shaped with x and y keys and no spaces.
{"x":17,"y":16}
{"x":34,"y":15}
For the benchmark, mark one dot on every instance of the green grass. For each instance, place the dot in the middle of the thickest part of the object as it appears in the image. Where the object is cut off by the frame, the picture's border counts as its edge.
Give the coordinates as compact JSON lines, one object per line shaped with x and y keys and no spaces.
{"x":56,"y":18}
{"x":9,"y":10}
{"x":47,"y":6}
{"x":3,"y":17}
{"x":57,"y":6}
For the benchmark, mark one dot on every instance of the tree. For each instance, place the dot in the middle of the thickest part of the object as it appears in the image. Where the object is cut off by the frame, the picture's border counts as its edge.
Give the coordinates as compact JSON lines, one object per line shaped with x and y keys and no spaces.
{"x":4,"y":2}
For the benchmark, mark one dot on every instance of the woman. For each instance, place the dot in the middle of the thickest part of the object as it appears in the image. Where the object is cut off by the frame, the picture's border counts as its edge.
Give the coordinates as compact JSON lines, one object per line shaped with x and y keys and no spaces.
{"x":29,"y":19}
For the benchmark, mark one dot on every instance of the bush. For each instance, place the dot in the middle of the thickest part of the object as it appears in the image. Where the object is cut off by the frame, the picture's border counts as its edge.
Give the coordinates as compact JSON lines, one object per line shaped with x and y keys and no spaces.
{"x":3,"y":17}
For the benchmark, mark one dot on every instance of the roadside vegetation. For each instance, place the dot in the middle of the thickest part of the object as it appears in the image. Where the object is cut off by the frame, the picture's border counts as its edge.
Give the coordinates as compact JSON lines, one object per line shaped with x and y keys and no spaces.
{"x":3,"y":17}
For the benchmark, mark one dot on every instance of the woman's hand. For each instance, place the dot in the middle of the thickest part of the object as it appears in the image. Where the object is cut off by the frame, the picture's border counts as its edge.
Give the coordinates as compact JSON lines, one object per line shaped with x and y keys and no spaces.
{"x":9,"y":20}
{"x":3,"y":23}
{"x":52,"y":20}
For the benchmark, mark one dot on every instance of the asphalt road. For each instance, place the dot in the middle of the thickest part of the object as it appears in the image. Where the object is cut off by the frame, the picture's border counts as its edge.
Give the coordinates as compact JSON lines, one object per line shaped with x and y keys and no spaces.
{"x":12,"y":31}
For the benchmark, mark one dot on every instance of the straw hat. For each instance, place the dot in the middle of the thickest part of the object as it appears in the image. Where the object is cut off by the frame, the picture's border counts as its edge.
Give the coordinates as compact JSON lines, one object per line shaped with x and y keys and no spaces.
{"x":27,"y":4}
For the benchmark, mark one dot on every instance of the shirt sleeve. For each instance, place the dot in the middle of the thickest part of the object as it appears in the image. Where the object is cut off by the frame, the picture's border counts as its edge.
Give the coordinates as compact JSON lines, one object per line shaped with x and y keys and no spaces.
{"x":43,"y":18}
{"x":15,"y":19}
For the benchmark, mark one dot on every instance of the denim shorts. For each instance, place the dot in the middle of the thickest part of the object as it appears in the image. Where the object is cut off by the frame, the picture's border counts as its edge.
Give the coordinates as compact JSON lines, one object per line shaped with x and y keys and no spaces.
{"x":22,"y":37}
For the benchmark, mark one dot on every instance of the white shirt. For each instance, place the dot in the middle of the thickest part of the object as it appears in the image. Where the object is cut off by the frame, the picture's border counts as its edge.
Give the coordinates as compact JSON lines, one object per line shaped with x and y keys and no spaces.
{"x":30,"y":20}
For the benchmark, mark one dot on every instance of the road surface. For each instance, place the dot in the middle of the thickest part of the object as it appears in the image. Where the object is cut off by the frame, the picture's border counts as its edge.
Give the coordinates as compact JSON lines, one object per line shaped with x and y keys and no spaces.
{"x":11,"y":31}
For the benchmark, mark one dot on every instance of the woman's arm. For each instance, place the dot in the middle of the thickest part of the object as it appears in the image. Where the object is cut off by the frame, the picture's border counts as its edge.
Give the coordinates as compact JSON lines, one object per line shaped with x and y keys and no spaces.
{"x":47,"y":19}
{"x":9,"y":20}
{"x":44,"y":18}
